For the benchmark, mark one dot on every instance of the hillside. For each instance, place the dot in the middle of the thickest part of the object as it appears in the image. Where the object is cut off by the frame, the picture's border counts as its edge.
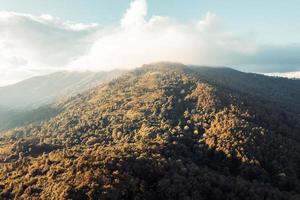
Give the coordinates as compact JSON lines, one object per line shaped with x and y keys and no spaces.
{"x":42,"y":90}
{"x":17,"y":118}
{"x":163,"y":131}
{"x":283,"y":91}
{"x":33,"y":100}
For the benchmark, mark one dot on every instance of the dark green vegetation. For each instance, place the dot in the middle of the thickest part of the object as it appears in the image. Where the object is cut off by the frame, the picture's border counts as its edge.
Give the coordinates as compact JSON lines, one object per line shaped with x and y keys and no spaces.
{"x":282,"y":91}
{"x":164,"y":131}
{"x":31,"y":100}
{"x":17,"y":118}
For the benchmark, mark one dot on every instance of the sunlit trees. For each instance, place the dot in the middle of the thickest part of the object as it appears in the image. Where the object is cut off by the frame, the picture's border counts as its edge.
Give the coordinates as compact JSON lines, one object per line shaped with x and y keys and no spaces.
{"x":159,"y":132}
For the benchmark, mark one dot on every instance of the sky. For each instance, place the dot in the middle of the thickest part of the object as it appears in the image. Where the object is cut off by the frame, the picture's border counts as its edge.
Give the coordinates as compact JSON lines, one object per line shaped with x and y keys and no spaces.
{"x":44,"y":36}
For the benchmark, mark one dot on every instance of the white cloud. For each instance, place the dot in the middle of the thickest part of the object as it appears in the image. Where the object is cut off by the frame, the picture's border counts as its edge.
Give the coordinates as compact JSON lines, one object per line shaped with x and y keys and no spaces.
{"x":138,"y":40}
{"x":31,"y":45}
{"x":28,"y":42}
{"x":291,"y":75}
{"x":135,"y":15}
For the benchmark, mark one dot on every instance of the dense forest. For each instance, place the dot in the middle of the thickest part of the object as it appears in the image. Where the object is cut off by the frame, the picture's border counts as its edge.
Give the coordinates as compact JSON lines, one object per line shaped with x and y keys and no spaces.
{"x":163,"y":131}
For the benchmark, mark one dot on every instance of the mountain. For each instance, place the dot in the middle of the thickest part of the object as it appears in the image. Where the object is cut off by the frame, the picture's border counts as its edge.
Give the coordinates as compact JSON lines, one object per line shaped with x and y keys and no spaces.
{"x":33,"y":100}
{"x":163,"y":131}
{"x":283,"y":91}
{"x":16,"y":118}
{"x":43,"y":90}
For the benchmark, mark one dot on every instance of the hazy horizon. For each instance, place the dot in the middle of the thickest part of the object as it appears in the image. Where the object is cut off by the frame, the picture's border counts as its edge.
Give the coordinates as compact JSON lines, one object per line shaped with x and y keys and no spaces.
{"x":39,"y":38}
{"x":289,"y":75}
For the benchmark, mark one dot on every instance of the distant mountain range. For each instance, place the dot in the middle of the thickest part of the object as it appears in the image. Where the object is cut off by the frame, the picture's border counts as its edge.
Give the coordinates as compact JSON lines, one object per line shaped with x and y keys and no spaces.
{"x":34,"y":99}
{"x":162,"y":131}
{"x":43,"y":90}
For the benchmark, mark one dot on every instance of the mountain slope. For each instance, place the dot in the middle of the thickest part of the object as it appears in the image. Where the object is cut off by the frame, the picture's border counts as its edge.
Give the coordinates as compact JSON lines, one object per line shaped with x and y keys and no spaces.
{"x":31,"y":100}
{"x":159,"y":132}
{"x":42,"y":90}
{"x":16,"y":118}
{"x":284,"y":92}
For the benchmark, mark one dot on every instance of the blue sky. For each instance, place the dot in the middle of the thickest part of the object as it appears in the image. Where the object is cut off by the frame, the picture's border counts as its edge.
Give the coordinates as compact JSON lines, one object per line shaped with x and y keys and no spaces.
{"x":275,"y":21}
{"x":44,"y":36}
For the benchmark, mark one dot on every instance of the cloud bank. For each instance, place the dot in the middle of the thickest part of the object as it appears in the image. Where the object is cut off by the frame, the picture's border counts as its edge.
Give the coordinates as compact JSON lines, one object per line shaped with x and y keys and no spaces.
{"x":32,"y":45}
{"x":138,"y":40}
{"x":290,"y":75}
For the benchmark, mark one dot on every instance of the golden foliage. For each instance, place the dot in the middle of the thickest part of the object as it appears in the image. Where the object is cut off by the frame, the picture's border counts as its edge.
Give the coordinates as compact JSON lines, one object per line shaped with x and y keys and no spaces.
{"x":158,"y":132}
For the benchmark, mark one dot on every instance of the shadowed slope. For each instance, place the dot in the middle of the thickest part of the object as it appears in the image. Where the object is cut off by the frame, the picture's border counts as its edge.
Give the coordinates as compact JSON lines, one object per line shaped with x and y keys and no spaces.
{"x":33,"y":100}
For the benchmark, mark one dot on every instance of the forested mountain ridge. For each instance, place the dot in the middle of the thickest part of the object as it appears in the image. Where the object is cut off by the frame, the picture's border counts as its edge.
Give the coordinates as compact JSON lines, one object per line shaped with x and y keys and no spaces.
{"x":283,"y":91}
{"x":163,"y":131}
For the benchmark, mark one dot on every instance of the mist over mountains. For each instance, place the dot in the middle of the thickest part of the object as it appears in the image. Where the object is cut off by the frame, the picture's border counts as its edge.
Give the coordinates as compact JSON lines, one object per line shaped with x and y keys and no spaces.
{"x":291,"y":75}
{"x":43,"y":90}
{"x":35,"y":99}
